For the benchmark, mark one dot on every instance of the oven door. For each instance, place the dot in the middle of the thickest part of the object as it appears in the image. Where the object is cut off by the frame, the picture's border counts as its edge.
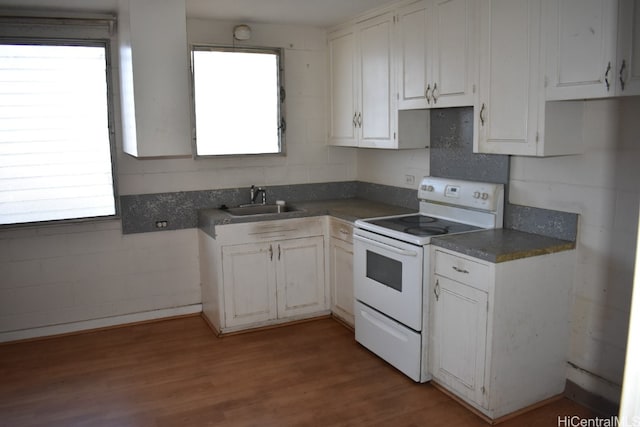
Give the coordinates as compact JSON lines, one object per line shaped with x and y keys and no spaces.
{"x":388,"y":276}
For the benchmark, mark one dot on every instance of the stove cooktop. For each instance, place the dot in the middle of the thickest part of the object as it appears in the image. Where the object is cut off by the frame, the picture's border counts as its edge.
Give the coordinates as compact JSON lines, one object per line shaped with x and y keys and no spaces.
{"x":415,"y":228}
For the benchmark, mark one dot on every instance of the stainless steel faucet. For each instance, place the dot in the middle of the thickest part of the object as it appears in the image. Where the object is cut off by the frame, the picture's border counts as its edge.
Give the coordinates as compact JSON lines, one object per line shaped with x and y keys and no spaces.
{"x":255,"y":192}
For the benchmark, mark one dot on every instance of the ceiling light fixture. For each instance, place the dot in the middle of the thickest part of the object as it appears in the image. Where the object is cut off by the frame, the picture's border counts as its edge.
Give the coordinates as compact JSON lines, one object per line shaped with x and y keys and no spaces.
{"x":242,"y":32}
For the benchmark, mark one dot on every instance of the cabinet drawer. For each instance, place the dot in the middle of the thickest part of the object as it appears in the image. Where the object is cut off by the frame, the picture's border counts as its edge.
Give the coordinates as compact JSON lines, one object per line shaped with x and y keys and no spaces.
{"x":462,"y":270}
{"x":267,"y":231}
{"x":341,"y":230}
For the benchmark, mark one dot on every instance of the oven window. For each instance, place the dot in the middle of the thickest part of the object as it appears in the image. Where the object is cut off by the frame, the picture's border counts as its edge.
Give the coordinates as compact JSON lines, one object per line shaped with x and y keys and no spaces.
{"x":384,"y":270}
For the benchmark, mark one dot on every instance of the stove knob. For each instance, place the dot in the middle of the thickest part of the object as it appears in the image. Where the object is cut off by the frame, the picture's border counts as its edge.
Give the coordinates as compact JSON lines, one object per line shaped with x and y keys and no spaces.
{"x":485,"y":196}
{"x":476,"y":195}
{"x":429,"y":188}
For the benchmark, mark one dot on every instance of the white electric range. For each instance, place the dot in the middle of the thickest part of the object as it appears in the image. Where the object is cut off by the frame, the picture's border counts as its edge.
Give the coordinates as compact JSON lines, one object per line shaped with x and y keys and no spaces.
{"x":391,"y":266}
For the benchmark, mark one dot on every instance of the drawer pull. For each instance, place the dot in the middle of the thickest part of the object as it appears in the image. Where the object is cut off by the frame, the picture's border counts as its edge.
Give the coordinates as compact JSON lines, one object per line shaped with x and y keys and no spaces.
{"x":460,"y":270}
{"x":344,"y":231}
{"x":436,"y":290}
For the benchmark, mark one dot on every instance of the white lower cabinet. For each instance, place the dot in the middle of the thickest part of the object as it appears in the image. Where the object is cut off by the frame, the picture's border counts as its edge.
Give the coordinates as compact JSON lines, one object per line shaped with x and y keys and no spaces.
{"x":300,"y":283}
{"x":341,"y":270}
{"x":460,"y":332}
{"x":256,"y":274}
{"x":500,"y":332}
{"x":249,"y":283}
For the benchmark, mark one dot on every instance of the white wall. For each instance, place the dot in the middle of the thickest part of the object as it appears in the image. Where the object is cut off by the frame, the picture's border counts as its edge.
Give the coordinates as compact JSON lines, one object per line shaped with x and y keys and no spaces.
{"x":389,"y":167}
{"x":308,"y":157}
{"x":55,"y":276}
{"x":603,"y":186}
{"x":59,"y":278}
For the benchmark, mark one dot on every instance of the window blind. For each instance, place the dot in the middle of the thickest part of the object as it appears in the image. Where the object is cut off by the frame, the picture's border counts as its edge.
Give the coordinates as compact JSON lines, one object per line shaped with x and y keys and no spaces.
{"x":55,"y":149}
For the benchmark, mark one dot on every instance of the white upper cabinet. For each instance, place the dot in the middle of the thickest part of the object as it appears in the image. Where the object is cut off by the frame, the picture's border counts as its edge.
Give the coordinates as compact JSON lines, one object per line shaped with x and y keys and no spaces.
{"x":592,"y":48}
{"x":154,"y":78}
{"x":511,"y":116}
{"x":507,"y":113}
{"x":362,"y":107}
{"x":580,"y":41}
{"x":362,"y":88}
{"x":628,"y":64}
{"x":437,"y":66}
{"x":342,"y":83}
{"x":376,"y":117}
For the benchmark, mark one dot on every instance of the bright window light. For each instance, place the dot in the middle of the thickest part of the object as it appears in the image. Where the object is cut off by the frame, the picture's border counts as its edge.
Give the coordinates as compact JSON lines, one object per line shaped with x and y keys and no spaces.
{"x":237,"y":101}
{"x":55,"y":148}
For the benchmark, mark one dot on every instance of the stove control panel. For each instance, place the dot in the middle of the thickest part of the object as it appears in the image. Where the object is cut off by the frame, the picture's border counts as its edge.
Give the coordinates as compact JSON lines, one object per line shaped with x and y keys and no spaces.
{"x":469,"y":194}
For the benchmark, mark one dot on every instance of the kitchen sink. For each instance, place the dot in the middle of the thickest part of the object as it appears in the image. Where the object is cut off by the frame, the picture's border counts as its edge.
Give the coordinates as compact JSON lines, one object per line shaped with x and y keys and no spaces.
{"x":259,"y":209}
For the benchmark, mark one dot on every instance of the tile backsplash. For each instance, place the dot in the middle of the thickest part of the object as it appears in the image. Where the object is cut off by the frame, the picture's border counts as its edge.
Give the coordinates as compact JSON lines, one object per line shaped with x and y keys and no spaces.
{"x":451,"y":154}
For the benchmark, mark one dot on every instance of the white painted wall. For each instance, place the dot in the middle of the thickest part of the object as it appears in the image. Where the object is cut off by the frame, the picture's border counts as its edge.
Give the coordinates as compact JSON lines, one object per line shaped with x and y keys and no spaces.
{"x":61,"y":278}
{"x":603,"y":186}
{"x":390,"y":167}
{"x":308,"y":157}
{"x":54,"y":277}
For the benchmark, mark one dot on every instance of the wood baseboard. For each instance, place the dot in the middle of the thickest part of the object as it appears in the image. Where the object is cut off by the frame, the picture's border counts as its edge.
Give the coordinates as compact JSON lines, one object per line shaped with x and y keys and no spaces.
{"x":265,"y":327}
{"x":503,"y":418}
{"x":596,"y":403}
{"x":342,"y":322}
{"x":101,"y":328}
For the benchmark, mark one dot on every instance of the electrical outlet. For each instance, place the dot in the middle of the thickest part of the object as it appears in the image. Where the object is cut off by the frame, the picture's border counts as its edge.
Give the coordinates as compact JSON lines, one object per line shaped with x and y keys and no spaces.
{"x":409,"y":179}
{"x":162,"y":224}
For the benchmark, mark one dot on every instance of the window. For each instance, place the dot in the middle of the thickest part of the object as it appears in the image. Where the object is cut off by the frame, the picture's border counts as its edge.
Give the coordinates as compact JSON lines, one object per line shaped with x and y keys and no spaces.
{"x":55,"y":140}
{"x":238,"y":101}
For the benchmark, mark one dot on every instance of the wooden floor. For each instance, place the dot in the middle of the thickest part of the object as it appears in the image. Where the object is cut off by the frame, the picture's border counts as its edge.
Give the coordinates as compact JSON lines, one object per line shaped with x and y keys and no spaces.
{"x":177,"y":373}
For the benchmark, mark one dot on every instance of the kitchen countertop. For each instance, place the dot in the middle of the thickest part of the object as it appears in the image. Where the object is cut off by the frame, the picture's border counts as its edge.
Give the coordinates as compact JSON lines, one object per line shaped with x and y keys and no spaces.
{"x":346,"y":209}
{"x":501,"y":245}
{"x":495,"y":246}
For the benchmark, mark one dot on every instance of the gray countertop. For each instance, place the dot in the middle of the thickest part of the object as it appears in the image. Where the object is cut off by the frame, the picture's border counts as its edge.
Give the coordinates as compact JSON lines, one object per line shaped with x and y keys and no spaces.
{"x":495,"y":246}
{"x":502,"y":245}
{"x":346,"y":209}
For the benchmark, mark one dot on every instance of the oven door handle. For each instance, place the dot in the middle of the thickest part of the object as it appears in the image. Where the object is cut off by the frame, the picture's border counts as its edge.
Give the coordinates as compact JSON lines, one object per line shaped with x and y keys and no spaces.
{"x":385,"y":246}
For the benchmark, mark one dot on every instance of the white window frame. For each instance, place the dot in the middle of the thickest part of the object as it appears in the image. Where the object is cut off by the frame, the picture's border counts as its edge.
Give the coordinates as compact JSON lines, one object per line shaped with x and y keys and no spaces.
{"x":281,"y":94}
{"x":94,"y":30}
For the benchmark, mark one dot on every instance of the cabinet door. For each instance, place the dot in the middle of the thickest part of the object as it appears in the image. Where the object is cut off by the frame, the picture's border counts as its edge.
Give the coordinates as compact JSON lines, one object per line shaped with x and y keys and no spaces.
{"x":452,"y":42}
{"x":412,"y":56}
{"x":506,"y":116}
{"x":249,"y":283}
{"x":377,"y":115}
{"x":152,"y":41}
{"x":342,"y":88}
{"x":341,"y":281}
{"x":300,"y":276}
{"x":628,"y":69}
{"x":458,"y":341}
{"x":581,"y":48}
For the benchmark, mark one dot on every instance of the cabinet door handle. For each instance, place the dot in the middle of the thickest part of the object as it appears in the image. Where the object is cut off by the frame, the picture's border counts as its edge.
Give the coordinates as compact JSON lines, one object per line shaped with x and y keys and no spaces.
{"x":460,"y":270}
{"x":482,"y":114}
{"x":433,"y":93}
{"x":279,"y":252}
{"x":270,"y":253}
{"x":359,"y":120}
{"x":606,"y":76}
{"x":622,"y":67}
{"x":355,"y":121}
{"x":436,"y":290}
{"x":426,"y":93}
